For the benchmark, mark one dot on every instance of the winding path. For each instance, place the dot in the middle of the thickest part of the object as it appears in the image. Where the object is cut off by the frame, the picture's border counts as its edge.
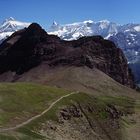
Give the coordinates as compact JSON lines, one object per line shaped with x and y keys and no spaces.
{"x":37,"y":116}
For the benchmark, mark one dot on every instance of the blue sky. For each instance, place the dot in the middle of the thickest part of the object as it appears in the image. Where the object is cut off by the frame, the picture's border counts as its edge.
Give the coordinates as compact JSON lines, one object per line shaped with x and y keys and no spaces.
{"x":67,"y":11}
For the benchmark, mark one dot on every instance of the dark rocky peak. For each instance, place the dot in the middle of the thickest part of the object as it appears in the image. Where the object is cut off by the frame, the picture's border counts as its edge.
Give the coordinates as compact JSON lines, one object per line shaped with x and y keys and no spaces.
{"x":32,"y":34}
{"x":35,"y":29}
{"x":39,"y":35}
{"x":30,"y":38}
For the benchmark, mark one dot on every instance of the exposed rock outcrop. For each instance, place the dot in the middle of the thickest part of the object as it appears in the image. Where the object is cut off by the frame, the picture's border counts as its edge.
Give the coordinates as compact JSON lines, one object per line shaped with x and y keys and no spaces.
{"x":30,"y":47}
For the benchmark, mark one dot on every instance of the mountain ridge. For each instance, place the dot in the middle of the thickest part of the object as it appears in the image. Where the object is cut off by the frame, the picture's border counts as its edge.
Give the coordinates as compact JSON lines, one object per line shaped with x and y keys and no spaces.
{"x":28,"y":48}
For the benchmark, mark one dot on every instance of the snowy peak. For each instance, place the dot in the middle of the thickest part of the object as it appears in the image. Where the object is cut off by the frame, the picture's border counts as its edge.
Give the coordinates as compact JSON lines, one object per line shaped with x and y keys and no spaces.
{"x":9,"y":19}
{"x":55,"y":26}
{"x":88,"y":21}
{"x":103,"y":24}
{"x":55,"y":23}
{"x":11,"y":25}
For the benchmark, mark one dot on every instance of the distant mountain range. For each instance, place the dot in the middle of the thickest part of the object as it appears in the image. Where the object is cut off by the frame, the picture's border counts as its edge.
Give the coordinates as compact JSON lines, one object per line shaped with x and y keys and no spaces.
{"x":127,"y":36}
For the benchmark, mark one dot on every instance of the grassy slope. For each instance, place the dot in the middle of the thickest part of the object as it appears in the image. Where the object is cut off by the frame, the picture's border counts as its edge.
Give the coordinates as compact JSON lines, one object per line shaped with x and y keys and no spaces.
{"x":123,"y":104}
{"x":20,"y":101}
{"x":31,"y":131}
{"x":33,"y":98}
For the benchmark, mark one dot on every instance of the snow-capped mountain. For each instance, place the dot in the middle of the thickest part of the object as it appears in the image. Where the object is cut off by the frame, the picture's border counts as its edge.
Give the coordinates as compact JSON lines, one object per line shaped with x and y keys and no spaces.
{"x":9,"y":26}
{"x":86,"y":28}
{"x":129,"y":41}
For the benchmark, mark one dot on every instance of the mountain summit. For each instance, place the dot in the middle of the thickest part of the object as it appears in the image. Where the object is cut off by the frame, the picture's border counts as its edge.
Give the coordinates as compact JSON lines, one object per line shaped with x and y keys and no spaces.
{"x":9,"y":19}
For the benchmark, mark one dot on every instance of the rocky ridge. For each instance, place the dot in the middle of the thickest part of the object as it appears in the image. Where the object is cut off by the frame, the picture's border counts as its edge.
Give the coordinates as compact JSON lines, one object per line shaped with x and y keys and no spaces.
{"x":30,"y":47}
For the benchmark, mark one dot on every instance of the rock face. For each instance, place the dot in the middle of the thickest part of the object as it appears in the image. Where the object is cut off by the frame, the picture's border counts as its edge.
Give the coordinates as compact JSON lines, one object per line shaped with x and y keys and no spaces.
{"x":30,"y":47}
